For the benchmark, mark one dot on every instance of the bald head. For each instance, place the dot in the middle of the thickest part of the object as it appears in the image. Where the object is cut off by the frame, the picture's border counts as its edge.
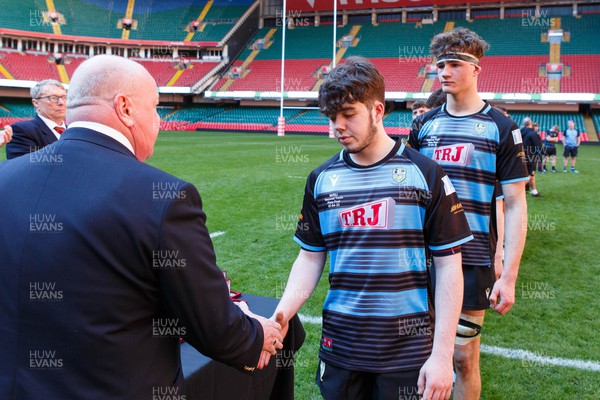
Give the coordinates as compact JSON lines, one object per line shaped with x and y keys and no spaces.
{"x":102,"y":77}
{"x":120,"y":94}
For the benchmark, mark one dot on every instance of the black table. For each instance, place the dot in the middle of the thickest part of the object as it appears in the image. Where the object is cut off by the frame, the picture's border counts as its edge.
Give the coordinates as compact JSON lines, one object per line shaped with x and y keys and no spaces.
{"x":206,"y":379}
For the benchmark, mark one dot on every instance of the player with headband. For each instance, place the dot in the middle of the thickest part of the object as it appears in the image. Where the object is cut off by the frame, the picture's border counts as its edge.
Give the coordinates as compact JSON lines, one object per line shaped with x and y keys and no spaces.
{"x":477,"y":146}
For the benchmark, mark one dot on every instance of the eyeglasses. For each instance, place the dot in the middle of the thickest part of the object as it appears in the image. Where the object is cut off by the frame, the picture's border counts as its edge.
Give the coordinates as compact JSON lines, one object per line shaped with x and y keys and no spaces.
{"x":54,"y":99}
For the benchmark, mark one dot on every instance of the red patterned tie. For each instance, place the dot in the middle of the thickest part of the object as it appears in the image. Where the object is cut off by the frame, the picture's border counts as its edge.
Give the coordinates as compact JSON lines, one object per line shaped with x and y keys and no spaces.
{"x":59,"y":129}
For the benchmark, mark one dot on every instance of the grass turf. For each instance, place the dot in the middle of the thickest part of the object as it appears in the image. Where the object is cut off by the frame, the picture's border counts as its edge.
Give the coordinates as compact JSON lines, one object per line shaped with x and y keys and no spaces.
{"x":252,"y":187}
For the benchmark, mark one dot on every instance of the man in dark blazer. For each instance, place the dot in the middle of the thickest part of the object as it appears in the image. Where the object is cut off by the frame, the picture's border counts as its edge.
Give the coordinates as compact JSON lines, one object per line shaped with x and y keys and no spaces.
{"x":106,"y":261}
{"x":49,"y":99}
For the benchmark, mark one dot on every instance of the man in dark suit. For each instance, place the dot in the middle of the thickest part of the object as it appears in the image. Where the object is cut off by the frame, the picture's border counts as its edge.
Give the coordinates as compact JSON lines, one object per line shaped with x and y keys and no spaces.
{"x":49,"y":99}
{"x":106,"y":261}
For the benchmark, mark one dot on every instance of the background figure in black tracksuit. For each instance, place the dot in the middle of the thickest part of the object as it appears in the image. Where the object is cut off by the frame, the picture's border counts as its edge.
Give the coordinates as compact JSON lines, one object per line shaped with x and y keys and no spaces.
{"x":534,"y":150}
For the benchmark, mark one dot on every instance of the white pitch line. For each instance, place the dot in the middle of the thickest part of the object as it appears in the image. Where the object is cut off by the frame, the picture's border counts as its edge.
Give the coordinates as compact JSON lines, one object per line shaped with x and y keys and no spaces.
{"x":309,"y":319}
{"x":535,"y":358}
{"x":215,"y":234}
{"x":296,"y":177}
{"x":507,"y":353}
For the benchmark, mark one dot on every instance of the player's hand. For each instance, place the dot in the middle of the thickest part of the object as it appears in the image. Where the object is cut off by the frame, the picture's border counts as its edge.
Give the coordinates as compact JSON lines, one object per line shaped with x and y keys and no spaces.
{"x":435,"y":378}
{"x":502,"y":297}
{"x":282,"y":320}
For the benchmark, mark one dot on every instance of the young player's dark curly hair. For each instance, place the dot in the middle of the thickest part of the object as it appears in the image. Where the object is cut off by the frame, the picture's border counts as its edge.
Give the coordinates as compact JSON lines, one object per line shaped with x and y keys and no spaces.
{"x":356,"y":79}
{"x":458,"y":40}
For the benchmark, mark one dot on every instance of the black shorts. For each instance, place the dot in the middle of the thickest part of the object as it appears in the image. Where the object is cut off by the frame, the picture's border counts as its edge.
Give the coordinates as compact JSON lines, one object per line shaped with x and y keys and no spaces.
{"x":570,"y":151}
{"x":479,"y":282}
{"x":531,"y":168}
{"x":341,"y":384}
{"x":550,"y":151}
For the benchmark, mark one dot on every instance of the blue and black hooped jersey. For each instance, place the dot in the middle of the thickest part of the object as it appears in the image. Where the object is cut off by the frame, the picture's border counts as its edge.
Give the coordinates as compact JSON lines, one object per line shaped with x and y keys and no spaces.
{"x":379,"y":224}
{"x":475,"y":151}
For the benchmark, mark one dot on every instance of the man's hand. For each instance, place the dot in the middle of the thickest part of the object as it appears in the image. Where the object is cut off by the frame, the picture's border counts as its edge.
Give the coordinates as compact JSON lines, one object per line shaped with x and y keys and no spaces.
{"x":504,"y":290}
{"x":273,"y":337}
{"x":7,"y":135}
{"x":435,"y":378}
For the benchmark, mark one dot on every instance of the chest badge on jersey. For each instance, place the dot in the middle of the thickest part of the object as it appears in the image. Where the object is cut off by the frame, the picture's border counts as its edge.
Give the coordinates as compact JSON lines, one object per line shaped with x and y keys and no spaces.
{"x":399,"y":174}
{"x":479,"y":128}
{"x":458,"y":154}
{"x":373,"y":215}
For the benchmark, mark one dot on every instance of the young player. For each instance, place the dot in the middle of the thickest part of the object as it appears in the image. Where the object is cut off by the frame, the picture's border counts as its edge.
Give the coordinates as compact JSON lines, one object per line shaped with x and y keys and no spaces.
{"x":418,"y":108}
{"x":550,"y":147}
{"x":380,"y":209}
{"x":532,"y":145}
{"x":571,"y":140}
{"x":476,"y":145}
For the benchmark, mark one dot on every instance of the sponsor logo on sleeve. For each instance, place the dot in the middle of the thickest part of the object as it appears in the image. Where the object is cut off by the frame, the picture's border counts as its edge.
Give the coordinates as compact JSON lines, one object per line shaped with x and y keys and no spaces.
{"x":448,"y":186}
{"x":456,"y":208}
{"x":374,"y":215}
{"x":518,"y":139}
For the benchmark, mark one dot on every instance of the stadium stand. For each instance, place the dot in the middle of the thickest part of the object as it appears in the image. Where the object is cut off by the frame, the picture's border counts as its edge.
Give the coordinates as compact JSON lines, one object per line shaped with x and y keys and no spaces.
{"x":29,"y":66}
{"x":548,"y":119}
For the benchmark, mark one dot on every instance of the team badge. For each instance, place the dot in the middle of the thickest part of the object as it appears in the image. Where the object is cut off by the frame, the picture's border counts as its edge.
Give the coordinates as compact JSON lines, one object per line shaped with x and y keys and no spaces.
{"x":399,"y":174}
{"x":479,"y":128}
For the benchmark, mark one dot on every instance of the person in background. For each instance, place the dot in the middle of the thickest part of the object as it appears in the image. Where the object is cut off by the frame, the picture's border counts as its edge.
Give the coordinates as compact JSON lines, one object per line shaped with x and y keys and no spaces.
{"x":418,"y":108}
{"x":532,"y":144}
{"x":571,"y":141}
{"x":49,"y":99}
{"x":477,"y":146}
{"x":550,"y":148}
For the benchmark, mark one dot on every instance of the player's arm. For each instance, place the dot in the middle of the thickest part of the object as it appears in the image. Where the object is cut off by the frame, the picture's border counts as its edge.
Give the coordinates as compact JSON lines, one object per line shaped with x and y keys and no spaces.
{"x":552,"y":138}
{"x":578,"y":138}
{"x":303,"y":280}
{"x":435,"y":379}
{"x":498,"y":258}
{"x":502,"y":297}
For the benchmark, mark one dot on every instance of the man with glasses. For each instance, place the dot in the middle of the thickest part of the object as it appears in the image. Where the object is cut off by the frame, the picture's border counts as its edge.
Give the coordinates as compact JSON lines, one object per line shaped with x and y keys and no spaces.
{"x":49,"y":98}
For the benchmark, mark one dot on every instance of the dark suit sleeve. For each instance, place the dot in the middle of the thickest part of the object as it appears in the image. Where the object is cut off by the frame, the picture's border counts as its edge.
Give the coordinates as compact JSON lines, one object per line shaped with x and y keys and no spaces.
{"x":196,"y":291}
{"x":21,"y":143}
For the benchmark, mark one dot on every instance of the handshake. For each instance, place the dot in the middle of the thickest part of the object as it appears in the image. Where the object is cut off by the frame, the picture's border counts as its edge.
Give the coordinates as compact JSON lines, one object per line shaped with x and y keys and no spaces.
{"x":274,"y":330}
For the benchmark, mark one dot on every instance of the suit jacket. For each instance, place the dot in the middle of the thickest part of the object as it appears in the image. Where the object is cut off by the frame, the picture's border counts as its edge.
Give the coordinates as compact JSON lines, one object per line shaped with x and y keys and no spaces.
{"x":29,"y":136}
{"x":106,"y":262}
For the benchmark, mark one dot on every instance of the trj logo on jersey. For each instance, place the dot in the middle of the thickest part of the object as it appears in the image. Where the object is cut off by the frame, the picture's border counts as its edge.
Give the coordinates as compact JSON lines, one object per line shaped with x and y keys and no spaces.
{"x":374,"y":215}
{"x":479,"y":128}
{"x":399,"y":174}
{"x":459,"y":154}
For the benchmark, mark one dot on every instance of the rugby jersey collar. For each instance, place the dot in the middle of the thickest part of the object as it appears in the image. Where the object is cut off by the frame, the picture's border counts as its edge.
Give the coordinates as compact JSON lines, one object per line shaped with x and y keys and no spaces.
{"x":397,"y":149}
{"x":486,"y":107}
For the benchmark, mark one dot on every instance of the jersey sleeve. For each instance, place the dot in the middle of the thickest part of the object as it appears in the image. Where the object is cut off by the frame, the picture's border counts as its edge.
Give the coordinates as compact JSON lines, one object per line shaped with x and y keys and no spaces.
{"x":308,"y":231}
{"x":510,"y":158}
{"x":413,"y":136}
{"x":446,"y":225}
